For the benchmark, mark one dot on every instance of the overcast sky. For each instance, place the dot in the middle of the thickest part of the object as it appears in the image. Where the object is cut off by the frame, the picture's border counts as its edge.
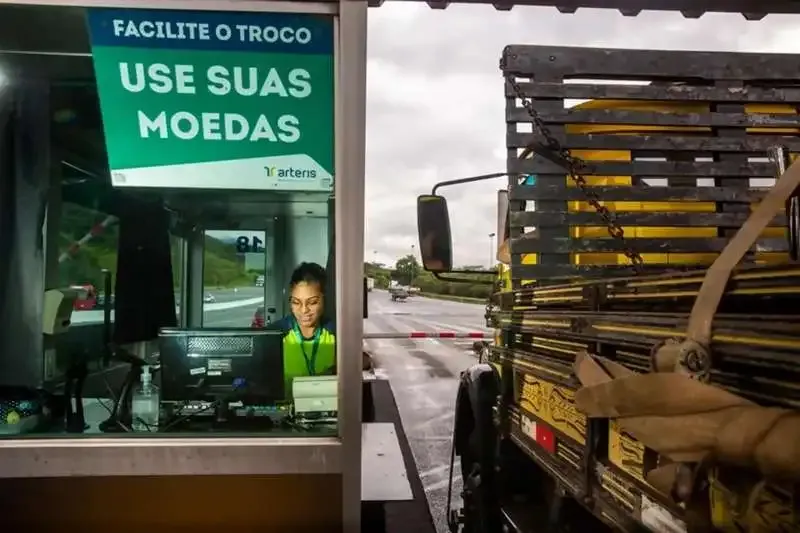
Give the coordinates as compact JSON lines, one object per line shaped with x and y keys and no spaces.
{"x":435,"y":105}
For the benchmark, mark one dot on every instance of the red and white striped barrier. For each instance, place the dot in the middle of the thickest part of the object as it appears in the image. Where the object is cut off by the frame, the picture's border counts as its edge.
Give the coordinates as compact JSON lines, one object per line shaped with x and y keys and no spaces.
{"x":429,"y":335}
{"x":96,"y":230}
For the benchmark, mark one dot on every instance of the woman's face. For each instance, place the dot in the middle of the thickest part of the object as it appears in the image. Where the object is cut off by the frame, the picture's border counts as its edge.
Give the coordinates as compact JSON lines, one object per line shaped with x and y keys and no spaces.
{"x":306,"y":300}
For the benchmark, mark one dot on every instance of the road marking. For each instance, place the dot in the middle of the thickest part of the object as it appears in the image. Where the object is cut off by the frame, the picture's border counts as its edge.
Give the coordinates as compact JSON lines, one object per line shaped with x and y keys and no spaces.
{"x":434,"y":438}
{"x":441,"y":484}
{"x":434,"y":420}
{"x":436,"y":470}
{"x":416,"y":368}
{"x":96,"y":316}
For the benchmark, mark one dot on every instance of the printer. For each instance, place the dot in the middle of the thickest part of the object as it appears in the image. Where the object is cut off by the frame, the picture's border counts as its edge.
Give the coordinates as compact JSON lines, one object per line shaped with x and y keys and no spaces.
{"x":315,"y":396}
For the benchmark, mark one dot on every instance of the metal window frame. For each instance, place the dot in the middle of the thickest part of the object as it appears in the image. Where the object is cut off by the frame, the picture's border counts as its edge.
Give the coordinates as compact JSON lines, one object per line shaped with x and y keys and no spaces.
{"x":134,"y":456}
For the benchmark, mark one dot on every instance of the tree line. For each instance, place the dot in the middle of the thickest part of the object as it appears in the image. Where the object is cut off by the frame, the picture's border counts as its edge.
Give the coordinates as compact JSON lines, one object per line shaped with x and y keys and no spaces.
{"x":408,"y":271}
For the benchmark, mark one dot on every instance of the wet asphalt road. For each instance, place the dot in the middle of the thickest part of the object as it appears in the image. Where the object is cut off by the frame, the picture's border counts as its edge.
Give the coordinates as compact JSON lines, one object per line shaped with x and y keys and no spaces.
{"x":424,"y":376}
{"x":236,"y":317}
{"x":232,"y":295}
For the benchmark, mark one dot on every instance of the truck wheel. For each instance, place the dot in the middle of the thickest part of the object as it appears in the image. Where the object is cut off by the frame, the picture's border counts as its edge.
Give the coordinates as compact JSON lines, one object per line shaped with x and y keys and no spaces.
{"x":477,"y":442}
{"x":480,"y":491}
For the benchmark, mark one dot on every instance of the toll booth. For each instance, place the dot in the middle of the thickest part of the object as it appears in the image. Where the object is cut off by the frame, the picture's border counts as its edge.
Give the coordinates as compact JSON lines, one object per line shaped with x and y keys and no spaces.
{"x":181,"y":159}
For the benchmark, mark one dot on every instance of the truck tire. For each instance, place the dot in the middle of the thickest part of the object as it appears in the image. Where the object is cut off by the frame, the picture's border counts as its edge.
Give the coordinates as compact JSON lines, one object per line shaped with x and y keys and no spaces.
{"x":475,"y":443}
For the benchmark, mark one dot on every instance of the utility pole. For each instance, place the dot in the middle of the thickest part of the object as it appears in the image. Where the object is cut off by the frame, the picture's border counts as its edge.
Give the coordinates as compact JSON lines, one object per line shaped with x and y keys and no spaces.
{"x":491,"y":250}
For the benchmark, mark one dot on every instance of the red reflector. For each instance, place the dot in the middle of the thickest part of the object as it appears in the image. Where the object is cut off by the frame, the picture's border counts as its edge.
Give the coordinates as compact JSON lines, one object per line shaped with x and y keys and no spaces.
{"x":476,"y":335}
{"x":545,"y":438}
{"x":417,"y":335}
{"x":540,"y":433}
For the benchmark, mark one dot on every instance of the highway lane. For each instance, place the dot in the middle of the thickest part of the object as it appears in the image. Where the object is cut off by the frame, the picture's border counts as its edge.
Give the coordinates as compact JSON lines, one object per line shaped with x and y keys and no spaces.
{"x":234,"y":317}
{"x":237,"y":317}
{"x":424,"y":377}
{"x":222,"y":312}
{"x":231,"y":295}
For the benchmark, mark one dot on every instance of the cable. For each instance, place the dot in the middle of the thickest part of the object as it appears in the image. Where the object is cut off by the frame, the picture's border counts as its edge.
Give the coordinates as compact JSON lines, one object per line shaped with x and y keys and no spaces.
{"x":178,"y":419}
{"x":238,"y":385}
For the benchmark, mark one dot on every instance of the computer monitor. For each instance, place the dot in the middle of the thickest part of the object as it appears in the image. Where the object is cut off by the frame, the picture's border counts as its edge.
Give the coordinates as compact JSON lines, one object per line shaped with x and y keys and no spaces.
{"x":241,"y":363}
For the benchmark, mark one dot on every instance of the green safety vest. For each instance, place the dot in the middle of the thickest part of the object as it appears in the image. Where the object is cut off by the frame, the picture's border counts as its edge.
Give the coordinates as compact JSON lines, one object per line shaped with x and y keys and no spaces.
{"x":307,"y":357}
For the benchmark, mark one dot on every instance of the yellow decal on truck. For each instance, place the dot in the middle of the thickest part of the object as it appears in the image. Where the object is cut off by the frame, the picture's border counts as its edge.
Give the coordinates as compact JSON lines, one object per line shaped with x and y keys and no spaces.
{"x":555,"y":406}
{"x":625,"y":452}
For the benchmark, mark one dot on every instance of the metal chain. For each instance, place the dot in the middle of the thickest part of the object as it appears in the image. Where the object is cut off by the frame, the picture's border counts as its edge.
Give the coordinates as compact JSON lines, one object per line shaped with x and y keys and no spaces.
{"x":575,"y":168}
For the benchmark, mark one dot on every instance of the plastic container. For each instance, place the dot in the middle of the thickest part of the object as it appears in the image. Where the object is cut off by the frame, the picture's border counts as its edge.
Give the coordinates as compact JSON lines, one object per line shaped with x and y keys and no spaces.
{"x":145,"y":404}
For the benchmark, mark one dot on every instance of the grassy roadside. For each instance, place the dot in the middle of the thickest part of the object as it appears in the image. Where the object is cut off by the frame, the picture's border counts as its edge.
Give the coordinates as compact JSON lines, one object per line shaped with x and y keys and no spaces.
{"x":462,"y":299}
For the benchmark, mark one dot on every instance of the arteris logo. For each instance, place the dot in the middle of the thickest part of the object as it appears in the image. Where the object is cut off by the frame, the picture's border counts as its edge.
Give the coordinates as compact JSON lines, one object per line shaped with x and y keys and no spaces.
{"x":291,"y":173}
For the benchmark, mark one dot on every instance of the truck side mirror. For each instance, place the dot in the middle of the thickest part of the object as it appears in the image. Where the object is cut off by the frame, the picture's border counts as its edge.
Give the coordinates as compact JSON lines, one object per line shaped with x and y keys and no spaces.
{"x":435,"y":242}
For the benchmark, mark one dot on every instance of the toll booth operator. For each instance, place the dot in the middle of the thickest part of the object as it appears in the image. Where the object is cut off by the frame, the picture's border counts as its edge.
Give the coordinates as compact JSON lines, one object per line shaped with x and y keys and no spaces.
{"x":309,"y":342}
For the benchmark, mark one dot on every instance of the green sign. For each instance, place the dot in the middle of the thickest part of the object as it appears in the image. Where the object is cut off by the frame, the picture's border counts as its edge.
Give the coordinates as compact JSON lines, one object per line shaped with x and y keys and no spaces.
{"x":216,"y":100}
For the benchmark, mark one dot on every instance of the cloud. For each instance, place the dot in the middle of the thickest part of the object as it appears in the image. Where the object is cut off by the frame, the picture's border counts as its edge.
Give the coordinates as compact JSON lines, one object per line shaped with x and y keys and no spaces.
{"x":435,"y":109}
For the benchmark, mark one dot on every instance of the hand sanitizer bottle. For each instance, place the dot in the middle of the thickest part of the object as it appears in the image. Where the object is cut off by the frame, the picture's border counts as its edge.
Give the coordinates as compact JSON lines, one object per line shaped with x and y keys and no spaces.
{"x":145,"y":404}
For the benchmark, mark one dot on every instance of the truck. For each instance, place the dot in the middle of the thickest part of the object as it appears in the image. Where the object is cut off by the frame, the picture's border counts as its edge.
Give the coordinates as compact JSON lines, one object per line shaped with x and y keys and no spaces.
{"x":643,"y":375}
{"x":370,"y":284}
{"x":398,"y":293}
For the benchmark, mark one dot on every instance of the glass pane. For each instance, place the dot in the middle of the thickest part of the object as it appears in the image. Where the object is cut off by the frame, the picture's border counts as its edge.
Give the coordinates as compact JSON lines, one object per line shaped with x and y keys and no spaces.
{"x":87,"y":247}
{"x":187,"y":229}
{"x":233,"y":278}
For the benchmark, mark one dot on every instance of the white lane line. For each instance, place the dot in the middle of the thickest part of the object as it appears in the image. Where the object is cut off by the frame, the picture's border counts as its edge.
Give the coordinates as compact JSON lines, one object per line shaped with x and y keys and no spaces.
{"x":441,"y":484}
{"x":95,"y":316}
{"x":434,"y":438}
{"x":434,"y":420}
{"x":436,"y":470}
{"x":416,"y":368}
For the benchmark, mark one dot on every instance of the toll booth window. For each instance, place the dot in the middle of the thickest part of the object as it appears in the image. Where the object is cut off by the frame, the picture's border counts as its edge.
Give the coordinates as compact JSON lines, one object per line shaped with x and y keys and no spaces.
{"x":273,"y":285}
{"x":185,"y":286}
{"x":86,"y":257}
{"x":234,"y":267}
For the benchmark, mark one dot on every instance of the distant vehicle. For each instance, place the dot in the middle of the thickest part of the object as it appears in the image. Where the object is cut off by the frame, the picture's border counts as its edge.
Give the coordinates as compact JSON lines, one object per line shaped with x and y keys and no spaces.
{"x":260,"y":281}
{"x":259,"y":320}
{"x":209,"y":298}
{"x":398,"y":294}
{"x":370,"y":284}
{"x":86,"y":299}
{"x":413,"y":291}
{"x":101,"y":300}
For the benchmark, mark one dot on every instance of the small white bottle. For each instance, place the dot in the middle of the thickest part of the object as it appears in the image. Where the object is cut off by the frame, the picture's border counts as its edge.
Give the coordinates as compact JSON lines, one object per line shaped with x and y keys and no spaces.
{"x":145,"y":404}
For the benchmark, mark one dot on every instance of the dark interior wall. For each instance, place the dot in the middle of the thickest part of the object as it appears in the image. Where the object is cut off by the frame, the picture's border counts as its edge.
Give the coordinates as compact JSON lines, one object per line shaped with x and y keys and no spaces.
{"x":24,"y":181}
{"x":86,"y":341}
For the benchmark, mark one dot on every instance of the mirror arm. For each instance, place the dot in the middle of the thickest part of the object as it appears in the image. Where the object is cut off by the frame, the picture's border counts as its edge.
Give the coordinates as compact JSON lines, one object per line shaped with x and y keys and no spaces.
{"x":449,"y":279}
{"x":467,"y":180}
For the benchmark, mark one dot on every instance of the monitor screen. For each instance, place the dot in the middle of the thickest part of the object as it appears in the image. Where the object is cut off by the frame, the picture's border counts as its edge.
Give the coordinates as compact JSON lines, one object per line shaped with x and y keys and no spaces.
{"x":206,"y":363}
